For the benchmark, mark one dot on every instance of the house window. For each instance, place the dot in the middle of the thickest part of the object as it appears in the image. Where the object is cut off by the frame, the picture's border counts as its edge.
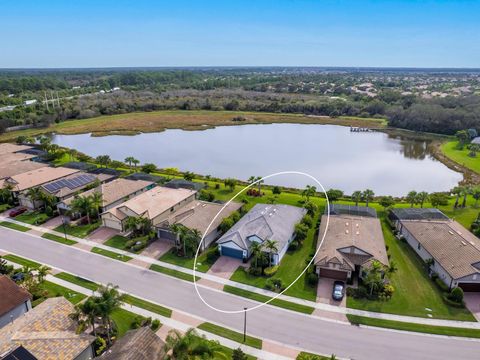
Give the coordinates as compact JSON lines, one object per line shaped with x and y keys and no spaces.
{"x":474,"y":277}
{"x":419,"y":247}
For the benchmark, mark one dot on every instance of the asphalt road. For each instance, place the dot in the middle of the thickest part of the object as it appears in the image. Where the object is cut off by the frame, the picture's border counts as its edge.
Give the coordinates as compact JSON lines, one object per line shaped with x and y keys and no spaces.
{"x":268,"y":322}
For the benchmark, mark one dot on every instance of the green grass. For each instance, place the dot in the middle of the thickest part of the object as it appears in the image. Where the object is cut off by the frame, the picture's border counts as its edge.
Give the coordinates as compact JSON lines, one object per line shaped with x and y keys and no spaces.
{"x":14,"y":226}
{"x":174,"y":273}
{"x":230,"y":334}
{"x":33,"y":217}
{"x":429,"y":329}
{"x":225,"y":353}
{"x":414,"y":290}
{"x":309,"y":356}
{"x":77,"y":280}
{"x":54,"y":290}
{"x":144,"y":304}
{"x":262,"y":298}
{"x":22,"y":261}
{"x":111,"y":254}
{"x":80,"y":231}
{"x":124,"y":320}
{"x":450,"y":150}
{"x":119,"y":242}
{"x":5,"y":207}
{"x":58,"y":239}
{"x":202,"y":264}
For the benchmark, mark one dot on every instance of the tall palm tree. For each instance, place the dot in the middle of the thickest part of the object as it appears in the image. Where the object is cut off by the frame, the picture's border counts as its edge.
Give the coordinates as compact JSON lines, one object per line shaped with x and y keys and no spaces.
{"x":457,"y":191}
{"x":83,"y":206}
{"x":35,"y":194}
{"x":251,"y":179}
{"x":367,"y":196}
{"x":272,"y":247}
{"x":412,"y":198}
{"x":129,"y":160}
{"x":259,"y":184}
{"x":422,"y":196}
{"x":96,"y":200}
{"x":42,"y":273}
{"x":108,"y":300}
{"x":357,"y":197}
{"x":135,"y":162}
{"x":188,"y":346}
{"x":255,"y":251}
{"x":465,"y":191}
{"x":309,"y":191}
{"x":131,"y":224}
{"x":476,"y":195}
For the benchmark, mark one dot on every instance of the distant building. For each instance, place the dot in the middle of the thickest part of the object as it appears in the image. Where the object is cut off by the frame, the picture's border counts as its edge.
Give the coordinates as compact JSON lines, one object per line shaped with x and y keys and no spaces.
{"x":476,"y":140}
{"x":30,"y":102}
{"x":14,"y":301}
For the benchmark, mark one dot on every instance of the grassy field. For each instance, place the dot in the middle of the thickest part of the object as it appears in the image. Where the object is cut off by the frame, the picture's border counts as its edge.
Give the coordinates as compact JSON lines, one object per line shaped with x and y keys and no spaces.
{"x":202,"y":264}
{"x":144,"y":304}
{"x":230,"y":334}
{"x":33,"y":217}
{"x":414,"y":290}
{"x":14,"y":226}
{"x":77,"y":280}
{"x":429,"y":329}
{"x":133,"y":123}
{"x":80,"y":231}
{"x":262,"y":298}
{"x":461,"y":157}
{"x":54,"y":290}
{"x":174,"y":273}
{"x":124,"y":320}
{"x":111,"y":254}
{"x":59,"y":239}
{"x":22,"y":261}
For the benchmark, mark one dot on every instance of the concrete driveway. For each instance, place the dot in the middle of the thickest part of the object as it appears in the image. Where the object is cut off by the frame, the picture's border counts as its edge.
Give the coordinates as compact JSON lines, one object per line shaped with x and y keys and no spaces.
{"x":225,"y":266}
{"x":157,"y":249}
{"x":472,"y":301}
{"x":102,"y":234}
{"x":324,"y":293}
{"x":53,"y":222}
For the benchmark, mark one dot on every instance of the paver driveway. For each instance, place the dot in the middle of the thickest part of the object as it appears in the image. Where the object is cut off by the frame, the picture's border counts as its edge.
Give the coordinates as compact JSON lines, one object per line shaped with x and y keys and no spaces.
{"x":225,"y":266}
{"x":102,"y":234}
{"x":324,"y":293}
{"x":157,"y":248}
{"x":472,"y":301}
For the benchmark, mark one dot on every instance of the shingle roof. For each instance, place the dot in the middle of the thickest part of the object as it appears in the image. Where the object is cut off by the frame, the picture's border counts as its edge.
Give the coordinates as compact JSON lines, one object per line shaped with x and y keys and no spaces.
{"x":139,"y":344}
{"x":12,"y":295}
{"x":276,"y":222}
{"x":46,"y":331}
{"x":452,"y":246}
{"x":345,"y":232}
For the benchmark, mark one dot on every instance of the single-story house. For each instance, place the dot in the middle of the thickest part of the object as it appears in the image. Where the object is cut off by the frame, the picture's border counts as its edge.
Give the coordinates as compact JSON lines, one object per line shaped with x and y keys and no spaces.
{"x":263,"y":222}
{"x":21,"y":183}
{"x":351,"y":243}
{"x":14,"y":301}
{"x":198,"y":215}
{"x":113,"y":193}
{"x":46,"y":332}
{"x":16,"y":159}
{"x":156,"y":204}
{"x":138,"y":344}
{"x":454,"y":252}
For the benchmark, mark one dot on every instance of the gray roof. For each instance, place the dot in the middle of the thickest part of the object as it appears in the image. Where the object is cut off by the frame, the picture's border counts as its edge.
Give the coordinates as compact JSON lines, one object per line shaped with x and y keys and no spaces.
{"x":266,"y":221}
{"x":417,"y":214}
{"x":341,"y":209}
{"x":476,"y":140}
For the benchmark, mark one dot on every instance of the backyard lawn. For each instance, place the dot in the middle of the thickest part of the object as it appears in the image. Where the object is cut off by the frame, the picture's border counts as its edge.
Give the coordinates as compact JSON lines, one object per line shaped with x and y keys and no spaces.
{"x":202,"y":264}
{"x":414,"y":290}
{"x":449,"y":148}
{"x":33,"y":217}
{"x":80,"y":231}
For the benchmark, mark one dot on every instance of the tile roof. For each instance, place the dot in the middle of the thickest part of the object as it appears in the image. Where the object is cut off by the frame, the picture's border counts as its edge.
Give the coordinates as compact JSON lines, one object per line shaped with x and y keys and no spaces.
{"x":6,"y":148}
{"x":276,"y":222}
{"x":38,"y":177}
{"x":12,"y":295}
{"x":346,"y":232}
{"x":452,"y":246}
{"x":66,"y":190}
{"x":139,"y":344}
{"x":46,"y":331}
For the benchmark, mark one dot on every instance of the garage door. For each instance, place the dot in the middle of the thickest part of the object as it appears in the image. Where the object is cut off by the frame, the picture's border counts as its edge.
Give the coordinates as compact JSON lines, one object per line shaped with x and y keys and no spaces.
{"x":333,"y":274}
{"x":235,"y":253}
{"x":112,"y":224}
{"x":468,"y":287}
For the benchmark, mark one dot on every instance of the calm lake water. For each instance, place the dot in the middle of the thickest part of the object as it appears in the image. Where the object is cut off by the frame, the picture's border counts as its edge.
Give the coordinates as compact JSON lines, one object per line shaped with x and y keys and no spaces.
{"x":337,"y":157}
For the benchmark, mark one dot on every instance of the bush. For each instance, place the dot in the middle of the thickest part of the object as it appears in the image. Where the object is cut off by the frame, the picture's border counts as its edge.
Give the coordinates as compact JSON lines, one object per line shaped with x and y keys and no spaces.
{"x":307,"y":220}
{"x":49,"y":211}
{"x":217,"y":186}
{"x":138,"y":247}
{"x":155,"y":325}
{"x":130,"y":243}
{"x":255,"y":271}
{"x":99,"y":345}
{"x":206,"y":195}
{"x":293,"y":246}
{"x":274,"y":285}
{"x":276,"y":190}
{"x":312,"y":279}
{"x":388,"y":291}
{"x":441,"y":284}
{"x":360,"y":293}
{"x":212,"y":256}
{"x":270,"y":271}
{"x":456,"y":295}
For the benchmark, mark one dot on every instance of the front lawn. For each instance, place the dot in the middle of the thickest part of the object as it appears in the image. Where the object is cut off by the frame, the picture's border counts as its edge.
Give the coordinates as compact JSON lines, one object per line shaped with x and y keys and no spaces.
{"x":5,"y":207}
{"x":124,"y":320}
{"x":119,"y":242}
{"x":450,"y":150}
{"x":414,"y":290}
{"x":14,"y":226}
{"x":231,"y":334}
{"x":80,"y":231}
{"x":33,"y":217}
{"x":111,"y":254}
{"x":53,"y":290}
{"x":202,"y":263}
{"x":59,"y":239}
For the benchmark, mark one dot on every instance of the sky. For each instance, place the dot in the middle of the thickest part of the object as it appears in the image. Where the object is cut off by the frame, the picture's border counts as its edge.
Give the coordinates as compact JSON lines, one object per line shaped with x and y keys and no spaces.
{"x":119,"y":33}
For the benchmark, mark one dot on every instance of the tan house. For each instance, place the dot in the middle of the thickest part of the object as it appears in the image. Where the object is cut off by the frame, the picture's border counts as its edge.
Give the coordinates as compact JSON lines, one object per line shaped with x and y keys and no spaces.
{"x":156,"y":204}
{"x":351,"y":243}
{"x":47,"y":332}
{"x":16,"y":159}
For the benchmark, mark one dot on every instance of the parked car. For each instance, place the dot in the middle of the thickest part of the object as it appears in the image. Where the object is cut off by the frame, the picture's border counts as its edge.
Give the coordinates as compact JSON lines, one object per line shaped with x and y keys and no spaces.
{"x":17,"y":212}
{"x":338,"y":290}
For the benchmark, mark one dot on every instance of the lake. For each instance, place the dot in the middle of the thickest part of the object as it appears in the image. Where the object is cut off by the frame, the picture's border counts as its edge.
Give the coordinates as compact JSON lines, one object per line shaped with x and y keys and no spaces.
{"x":337,"y":157}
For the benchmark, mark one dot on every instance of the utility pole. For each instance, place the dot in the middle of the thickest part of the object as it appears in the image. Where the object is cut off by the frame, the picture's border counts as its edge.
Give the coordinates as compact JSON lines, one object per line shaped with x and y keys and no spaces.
{"x":46,"y":100}
{"x":245,"y":325}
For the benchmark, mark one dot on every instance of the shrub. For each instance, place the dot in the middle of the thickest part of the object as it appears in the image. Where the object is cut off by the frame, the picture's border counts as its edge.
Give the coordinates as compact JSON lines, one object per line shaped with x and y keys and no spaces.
{"x":155,"y":325}
{"x":270,"y":271}
{"x":441,"y":284}
{"x":274,"y":285}
{"x":276,"y":190}
{"x":255,"y":271}
{"x":312,"y":279}
{"x":293,"y":246}
{"x":212,"y":256}
{"x":138,"y":247}
{"x":238,"y":354}
{"x":217,"y":186}
{"x":301,"y":231}
{"x":100,"y":345}
{"x":307,"y":220}
{"x":206,"y":195}
{"x":360,"y":293}
{"x":130,"y":243}
{"x":388,"y":291}
{"x":456,"y":295}
{"x":49,"y":211}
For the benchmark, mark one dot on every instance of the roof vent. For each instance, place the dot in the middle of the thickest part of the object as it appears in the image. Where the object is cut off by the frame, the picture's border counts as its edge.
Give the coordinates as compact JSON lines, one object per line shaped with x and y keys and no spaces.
{"x":356,"y":225}
{"x":464,"y":243}
{"x":346,"y":224}
{"x":358,"y":233}
{"x":346,"y":231}
{"x":450,"y":232}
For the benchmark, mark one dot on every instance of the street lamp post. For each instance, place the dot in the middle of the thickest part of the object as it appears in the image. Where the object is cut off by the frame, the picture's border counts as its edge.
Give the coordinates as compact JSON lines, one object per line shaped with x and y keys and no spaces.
{"x":244,"y":325}
{"x":64,"y":229}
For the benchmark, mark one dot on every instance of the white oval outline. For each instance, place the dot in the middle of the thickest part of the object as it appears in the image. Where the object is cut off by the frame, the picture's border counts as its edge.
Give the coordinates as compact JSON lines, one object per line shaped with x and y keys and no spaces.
{"x":224,"y":206}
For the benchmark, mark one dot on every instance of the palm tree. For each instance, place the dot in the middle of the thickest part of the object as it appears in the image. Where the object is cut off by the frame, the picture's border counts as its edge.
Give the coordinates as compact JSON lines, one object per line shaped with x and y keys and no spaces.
{"x":85,"y":314}
{"x":129,"y":160}
{"x":392,"y":268}
{"x":131,"y":224}
{"x":35,"y":194}
{"x":457,"y":190}
{"x":251,"y":180}
{"x":367,"y":196}
{"x":466,"y":190}
{"x":309,"y":191}
{"x":271,"y":247}
{"x":108,"y":301}
{"x":96,"y":200}
{"x":255,"y":251}
{"x":180,"y":231}
{"x":412,"y":198}
{"x":42,"y":273}
{"x":188,"y":346}
{"x":259,"y":184}
{"x":476,"y":195}
{"x":373,"y":278}
{"x":82,"y":205}
{"x":357,"y":196}
{"x":135,"y":162}
{"x":422,"y":196}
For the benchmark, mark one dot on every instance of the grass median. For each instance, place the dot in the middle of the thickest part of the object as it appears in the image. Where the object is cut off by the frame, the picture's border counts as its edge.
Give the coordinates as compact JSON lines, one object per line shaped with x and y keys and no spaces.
{"x":231,"y":334}
{"x":174,"y":273}
{"x":147,"y":305}
{"x":262,"y":298}
{"x":14,"y":226}
{"x":22,"y":261}
{"x":111,"y":254}
{"x":77,"y":280}
{"x":58,"y":239}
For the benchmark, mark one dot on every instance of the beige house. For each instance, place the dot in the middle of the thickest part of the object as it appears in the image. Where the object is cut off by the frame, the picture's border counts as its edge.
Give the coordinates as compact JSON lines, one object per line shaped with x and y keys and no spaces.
{"x":156,"y":204}
{"x":16,"y":159}
{"x":351,"y":243}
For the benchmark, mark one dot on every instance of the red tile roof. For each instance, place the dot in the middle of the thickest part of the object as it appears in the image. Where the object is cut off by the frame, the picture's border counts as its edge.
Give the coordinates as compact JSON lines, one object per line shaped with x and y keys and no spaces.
{"x":12,"y":295}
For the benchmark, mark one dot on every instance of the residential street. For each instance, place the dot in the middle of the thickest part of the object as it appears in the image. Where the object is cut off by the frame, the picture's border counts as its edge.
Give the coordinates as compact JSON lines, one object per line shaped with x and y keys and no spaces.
{"x":268,"y":322}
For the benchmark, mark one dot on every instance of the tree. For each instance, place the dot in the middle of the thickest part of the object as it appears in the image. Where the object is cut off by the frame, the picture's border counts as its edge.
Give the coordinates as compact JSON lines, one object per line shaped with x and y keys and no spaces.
{"x":85,"y":315}
{"x":301,"y":231}
{"x":96,"y":202}
{"x":42,"y":272}
{"x":465,"y":191}
{"x":6,"y":193}
{"x":230,"y":183}
{"x":373,"y":277}
{"x":238,"y":354}
{"x":129,"y":160}
{"x":463,"y":138}
{"x":438,"y":199}
{"x":334,"y":195}
{"x":135,"y":162}
{"x":457,"y":191}
{"x":412,"y":198}
{"x":474,"y":149}
{"x":367,"y":196}
{"x":189,"y":346}
{"x":386,"y":201}
{"x":83,"y":206}
{"x":357,"y":197}
{"x":310,"y":207}
{"x":276,"y":190}
{"x":103,"y":160}
{"x":255,"y":251}
{"x":272,"y":247}
{"x":108,"y":301}
{"x":308,"y":192}
{"x":149,"y":168}
{"x":189,"y":176}
{"x":476,"y":195}
{"x":422,"y":196}
{"x":35,"y":194}
{"x":259,"y":181}
{"x":116,"y":164}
